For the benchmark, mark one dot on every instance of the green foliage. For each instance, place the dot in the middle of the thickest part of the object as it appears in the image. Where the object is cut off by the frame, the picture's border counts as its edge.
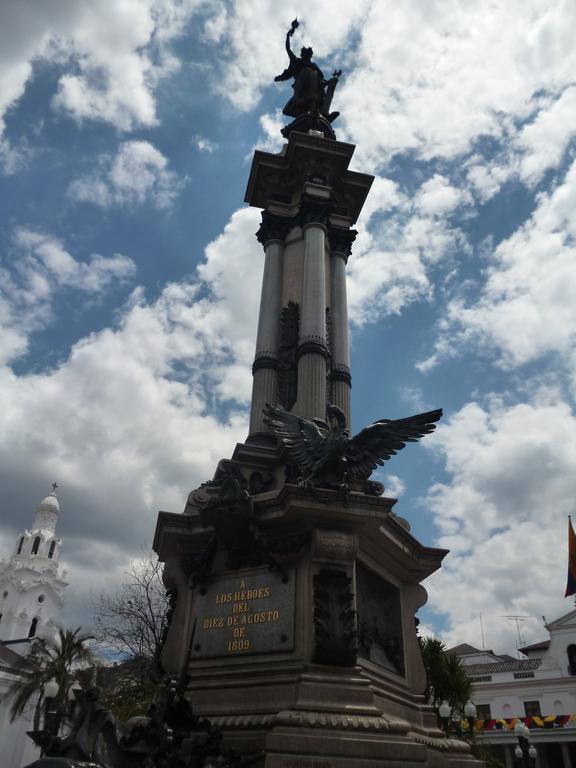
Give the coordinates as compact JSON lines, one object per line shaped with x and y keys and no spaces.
{"x":445,"y":674}
{"x":126,"y":689}
{"x":48,"y":659}
{"x":484,"y":753}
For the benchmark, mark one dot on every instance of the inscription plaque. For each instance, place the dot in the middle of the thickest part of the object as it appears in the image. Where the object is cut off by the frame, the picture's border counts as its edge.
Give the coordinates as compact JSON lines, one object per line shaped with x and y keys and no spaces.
{"x":243,"y":614}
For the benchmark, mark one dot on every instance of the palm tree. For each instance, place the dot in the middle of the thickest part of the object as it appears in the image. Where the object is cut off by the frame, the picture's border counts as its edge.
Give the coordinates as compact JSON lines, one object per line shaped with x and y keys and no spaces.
{"x":445,"y":674}
{"x":48,"y":659}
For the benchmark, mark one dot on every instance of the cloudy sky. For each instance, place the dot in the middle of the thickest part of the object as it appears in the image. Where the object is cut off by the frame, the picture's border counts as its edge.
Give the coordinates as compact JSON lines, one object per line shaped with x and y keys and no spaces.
{"x":129,"y":273}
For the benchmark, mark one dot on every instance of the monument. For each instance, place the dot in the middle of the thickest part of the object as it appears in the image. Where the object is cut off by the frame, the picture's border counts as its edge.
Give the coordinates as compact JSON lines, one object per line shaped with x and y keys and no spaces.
{"x":293,"y":583}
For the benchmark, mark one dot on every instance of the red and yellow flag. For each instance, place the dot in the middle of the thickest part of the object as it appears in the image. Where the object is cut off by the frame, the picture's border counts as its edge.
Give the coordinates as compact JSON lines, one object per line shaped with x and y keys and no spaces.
{"x":571,"y":582}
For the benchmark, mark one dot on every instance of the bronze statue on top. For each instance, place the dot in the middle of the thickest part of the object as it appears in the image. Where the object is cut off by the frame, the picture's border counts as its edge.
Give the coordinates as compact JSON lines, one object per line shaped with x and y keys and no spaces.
{"x":312,"y":99}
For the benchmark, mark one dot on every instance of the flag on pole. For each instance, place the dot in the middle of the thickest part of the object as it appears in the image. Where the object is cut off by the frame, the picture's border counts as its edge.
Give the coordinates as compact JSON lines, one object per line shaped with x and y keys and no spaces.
{"x":571,"y":582}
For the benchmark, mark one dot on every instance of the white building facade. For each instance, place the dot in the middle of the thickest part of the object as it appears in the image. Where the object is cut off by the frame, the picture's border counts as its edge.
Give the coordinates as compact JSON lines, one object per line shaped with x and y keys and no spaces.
{"x":539,"y":689}
{"x":31,"y":598}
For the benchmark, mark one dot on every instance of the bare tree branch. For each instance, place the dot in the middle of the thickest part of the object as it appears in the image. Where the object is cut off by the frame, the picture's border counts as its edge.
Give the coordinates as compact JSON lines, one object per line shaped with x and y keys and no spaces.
{"x":132,"y":621}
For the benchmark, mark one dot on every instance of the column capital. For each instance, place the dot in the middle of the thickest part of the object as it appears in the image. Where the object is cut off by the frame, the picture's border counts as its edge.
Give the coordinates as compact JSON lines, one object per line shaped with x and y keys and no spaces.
{"x":341,"y":240}
{"x":314,"y":210}
{"x":274,"y":227}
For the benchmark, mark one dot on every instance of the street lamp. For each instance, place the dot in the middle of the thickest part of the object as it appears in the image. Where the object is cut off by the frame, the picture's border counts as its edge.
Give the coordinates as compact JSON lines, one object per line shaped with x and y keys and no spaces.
{"x":444,"y":711}
{"x":524,"y":751}
{"x":73,"y":698}
{"x":51,"y":712}
{"x":51,"y":689}
{"x":470,"y":712}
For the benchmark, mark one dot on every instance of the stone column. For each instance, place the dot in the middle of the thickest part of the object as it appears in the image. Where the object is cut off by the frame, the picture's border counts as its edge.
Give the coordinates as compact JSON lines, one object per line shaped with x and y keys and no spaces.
{"x":508,"y":756}
{"x":312,"y":352}
{"x":567,"y":760}
{"x":271,"y":234}
{"x":341,"y":245}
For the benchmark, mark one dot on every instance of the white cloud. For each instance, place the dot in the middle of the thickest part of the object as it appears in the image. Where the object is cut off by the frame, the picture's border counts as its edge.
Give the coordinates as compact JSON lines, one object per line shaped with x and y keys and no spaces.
{"x":433,"y":79}
{"x":543,"y":141}
{"x":215,"y":25}
{"x":204,"y":144}
{"x":394,"y":486}
{"x":526,"y":308}
{"x":113,"y":54}
{"x":437,"y":197}
{"x":487,"y":178}
{"x":384,"y":195}
{"x":503,"y":514}
{"x":129,"y":421}
{"x":137,"y":174}
{"x":41,"y":268}
{"x":391,"y":263}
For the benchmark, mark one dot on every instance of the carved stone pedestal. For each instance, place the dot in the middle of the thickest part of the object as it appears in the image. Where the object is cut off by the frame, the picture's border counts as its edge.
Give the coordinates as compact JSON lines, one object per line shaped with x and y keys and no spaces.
{"x":305,"y":650}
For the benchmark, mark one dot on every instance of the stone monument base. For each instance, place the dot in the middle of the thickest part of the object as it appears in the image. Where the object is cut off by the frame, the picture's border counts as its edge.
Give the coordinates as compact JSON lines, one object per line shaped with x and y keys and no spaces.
{"x":300,"y":641}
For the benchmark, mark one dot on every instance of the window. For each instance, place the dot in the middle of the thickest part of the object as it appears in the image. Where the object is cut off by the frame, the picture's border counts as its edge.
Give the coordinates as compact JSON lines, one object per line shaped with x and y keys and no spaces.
{"x":483,"y":712}
{"x":20,"y":543}
{"x":41,"y":598}
{"x":52,"y":548}
{"x":571,"y":653}
{"x":32,"y":630}
{"x":532,"y":709}
{"x":5,"y":594}
{"x":36,"y":545}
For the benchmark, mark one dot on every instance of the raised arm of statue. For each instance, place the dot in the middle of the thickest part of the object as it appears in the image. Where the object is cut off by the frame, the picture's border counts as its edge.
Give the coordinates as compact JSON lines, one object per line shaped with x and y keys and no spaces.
{"x":289,"y":71}
{"x":289,"y":34}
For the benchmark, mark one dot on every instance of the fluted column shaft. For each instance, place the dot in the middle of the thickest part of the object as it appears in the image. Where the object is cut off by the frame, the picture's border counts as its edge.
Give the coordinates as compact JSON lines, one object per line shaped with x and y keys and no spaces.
{"x":265,"y":369}
{"x":271,"y":234}
{"x":340,"y":374}
{"x":341,"y":243}
{"x":311,"y":400}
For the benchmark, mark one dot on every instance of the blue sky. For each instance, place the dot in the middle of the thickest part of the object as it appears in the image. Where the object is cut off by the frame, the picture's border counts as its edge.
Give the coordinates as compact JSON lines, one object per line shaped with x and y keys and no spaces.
{"x":130,"y":275}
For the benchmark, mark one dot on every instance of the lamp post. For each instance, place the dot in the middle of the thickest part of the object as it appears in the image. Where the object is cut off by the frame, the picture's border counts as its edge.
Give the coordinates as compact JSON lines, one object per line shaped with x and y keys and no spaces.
{"x":524,"y":752}
{"x":444,"y":710}
{"x":72,"y":698}
{"x":470,"y":712}
{"x":51,"y":710}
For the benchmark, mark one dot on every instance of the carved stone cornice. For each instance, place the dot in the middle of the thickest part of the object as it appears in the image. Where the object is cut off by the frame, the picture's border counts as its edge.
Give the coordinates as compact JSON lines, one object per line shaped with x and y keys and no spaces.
{"x":274,"y":227}
{"x":310,"y":719}
{"x":443,"y":743}
{"x":341,"y":240}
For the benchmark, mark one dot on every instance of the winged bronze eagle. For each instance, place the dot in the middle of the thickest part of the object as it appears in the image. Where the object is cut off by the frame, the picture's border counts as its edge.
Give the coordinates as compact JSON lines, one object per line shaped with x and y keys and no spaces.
{"x":325,"y":454}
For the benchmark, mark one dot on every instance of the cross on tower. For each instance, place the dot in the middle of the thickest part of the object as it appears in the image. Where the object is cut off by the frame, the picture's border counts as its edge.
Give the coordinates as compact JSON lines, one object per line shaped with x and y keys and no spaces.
{"x":54,"y":485}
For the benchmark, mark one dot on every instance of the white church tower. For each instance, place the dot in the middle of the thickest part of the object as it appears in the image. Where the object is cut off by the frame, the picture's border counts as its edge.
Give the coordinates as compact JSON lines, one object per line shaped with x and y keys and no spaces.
{"x":31,"y":591}
{"x":31,"y":582}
